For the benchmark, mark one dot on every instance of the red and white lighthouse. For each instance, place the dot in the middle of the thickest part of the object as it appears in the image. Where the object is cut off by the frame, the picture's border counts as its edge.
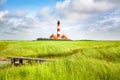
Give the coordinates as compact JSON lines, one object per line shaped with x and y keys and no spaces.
{"x":59,"y":36}
{"x":58,"y":30}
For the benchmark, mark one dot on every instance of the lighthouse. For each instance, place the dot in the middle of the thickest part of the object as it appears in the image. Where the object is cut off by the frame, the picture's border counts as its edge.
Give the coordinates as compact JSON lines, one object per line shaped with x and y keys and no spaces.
{"x":58,"y":36}
{"x":58,"y":30}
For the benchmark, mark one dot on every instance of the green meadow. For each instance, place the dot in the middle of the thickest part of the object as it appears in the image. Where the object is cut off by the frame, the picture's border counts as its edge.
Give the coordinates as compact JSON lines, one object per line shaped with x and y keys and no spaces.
{"x":73,"y":60}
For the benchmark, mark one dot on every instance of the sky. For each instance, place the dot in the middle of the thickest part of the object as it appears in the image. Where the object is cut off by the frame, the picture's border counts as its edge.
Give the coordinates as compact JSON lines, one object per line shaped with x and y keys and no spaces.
{"x":80,"y":19}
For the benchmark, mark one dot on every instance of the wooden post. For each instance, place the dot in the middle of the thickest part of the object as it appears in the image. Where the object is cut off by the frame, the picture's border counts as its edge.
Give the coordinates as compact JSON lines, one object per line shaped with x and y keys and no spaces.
{"x":20,"y":61}
{"x":12,"y":60}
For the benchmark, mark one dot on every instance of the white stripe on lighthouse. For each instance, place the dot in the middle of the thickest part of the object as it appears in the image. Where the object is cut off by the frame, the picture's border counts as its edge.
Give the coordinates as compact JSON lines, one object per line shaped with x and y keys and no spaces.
{"x":58,"y":32}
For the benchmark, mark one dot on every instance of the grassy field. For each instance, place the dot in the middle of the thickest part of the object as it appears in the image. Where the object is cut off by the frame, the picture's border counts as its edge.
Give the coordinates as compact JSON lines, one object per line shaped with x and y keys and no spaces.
{"x":74,"y":60}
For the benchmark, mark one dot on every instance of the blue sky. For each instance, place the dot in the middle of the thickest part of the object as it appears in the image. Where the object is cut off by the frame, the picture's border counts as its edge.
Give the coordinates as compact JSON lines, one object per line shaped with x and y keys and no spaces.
{"x":33,"y":6}
{"x":80,"y":19}
{"x":28,"y":4}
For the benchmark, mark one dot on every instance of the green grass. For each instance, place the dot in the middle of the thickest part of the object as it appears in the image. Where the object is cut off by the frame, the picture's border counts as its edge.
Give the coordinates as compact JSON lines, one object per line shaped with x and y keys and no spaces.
{"x":74,"y":60}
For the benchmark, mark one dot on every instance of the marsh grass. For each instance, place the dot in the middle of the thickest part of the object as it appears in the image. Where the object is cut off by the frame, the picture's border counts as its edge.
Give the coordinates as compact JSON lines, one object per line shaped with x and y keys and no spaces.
{"x":74,"y":60}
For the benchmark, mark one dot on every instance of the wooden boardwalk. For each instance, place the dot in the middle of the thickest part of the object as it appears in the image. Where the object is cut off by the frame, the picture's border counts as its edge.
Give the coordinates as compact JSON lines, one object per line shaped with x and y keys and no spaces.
{"x":20,"y":60}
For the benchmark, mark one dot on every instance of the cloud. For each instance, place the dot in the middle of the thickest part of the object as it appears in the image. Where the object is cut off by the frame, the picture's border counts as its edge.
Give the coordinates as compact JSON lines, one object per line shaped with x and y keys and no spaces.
{"x":19,"y":22}
{"x":81,"y":9}
{"x":3,"y":14}
{"x":114,"y":1}
{"x":20,"y":13}
{"x":107,"y":22}
{"x":14,"y":23}
{"x":80,"y":19}
{"x":110,"y":0}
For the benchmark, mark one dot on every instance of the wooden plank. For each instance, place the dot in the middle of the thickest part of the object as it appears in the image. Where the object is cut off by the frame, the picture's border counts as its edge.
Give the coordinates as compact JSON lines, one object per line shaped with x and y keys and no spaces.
{"x":28,"y":58}
{"x":15,"y":59}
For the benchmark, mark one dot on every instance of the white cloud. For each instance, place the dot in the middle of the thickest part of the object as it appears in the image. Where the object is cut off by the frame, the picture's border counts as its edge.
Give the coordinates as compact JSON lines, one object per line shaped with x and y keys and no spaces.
{"x":114,"y":1}
{"x":20,"y":13}
{"x":2,"y":14}
{"x":80,"y":19}
{"x":14,"y":23}
{"x":91,"y":5}
{"x":81,"y":9}
{"x":44,"y":11}
{"x":106,"y":23}
{"x":19,"y":23}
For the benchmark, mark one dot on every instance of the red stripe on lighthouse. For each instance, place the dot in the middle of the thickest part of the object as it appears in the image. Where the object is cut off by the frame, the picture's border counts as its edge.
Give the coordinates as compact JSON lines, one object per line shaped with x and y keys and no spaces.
{"x":58,"y":24}
{"x":58,"y":29}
